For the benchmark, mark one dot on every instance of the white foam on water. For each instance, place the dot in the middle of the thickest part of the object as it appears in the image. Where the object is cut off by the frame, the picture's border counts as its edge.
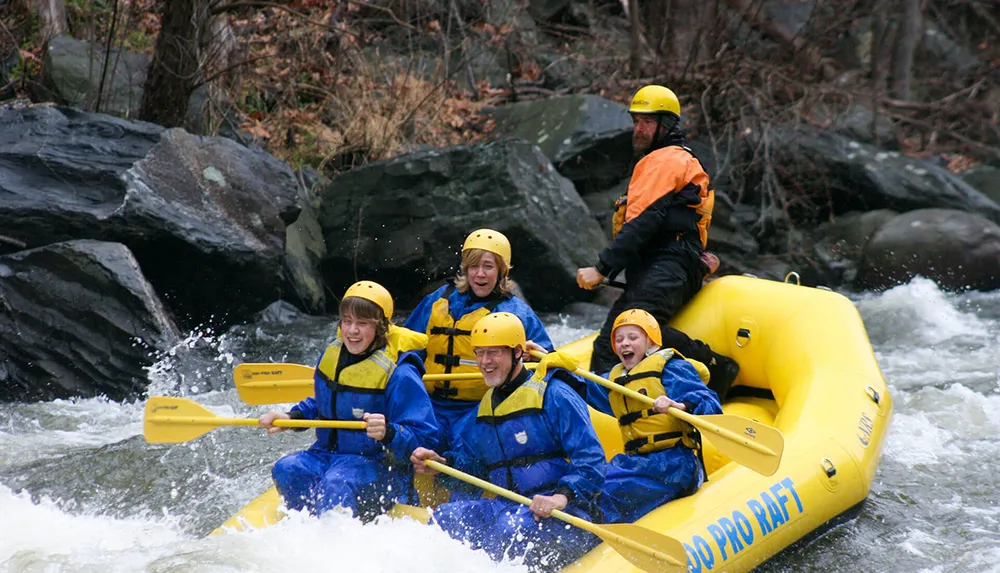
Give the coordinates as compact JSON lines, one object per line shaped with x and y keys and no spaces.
{"x":926,"y":337}
{"x":914,"y":440}
{"x":915,"y":313}
{"x":59,"y":427}
{"x":563,"y":330}
{"x":38,"y":536}
{"x":41,"y":537}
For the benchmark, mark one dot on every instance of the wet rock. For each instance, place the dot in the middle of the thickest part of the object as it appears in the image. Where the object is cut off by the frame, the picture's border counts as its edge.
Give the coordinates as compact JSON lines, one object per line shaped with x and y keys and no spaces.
{"x":77,"y":319}
{"x":857,"y":122}
{"x":72,"y":71}
{"x":985,"y":179}
{"x":402,"y":221}
{"x":859,"y":177}
{"x":586,"y":137}
{"x":956,"y":249}
{"x":838,"y":245}
{"x":205,"y":217}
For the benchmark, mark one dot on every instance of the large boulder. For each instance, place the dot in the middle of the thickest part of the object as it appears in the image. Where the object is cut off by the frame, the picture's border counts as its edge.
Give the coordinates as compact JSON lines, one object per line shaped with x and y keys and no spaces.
{"x":859,"y":177}
{"x":958,"y":250}
{"x":838,"y":245}
{"x":82,"y":74}
{"x":402,"y":221}
{"x":74,"y":74}
{"x":204,"y":216}
{"x":985,"y":179}
{"x":77,"y":319}
{"x":587,"y":138}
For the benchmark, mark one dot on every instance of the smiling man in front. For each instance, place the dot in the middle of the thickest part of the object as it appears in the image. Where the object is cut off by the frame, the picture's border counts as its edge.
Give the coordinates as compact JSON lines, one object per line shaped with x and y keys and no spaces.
{"x":531,"y":434}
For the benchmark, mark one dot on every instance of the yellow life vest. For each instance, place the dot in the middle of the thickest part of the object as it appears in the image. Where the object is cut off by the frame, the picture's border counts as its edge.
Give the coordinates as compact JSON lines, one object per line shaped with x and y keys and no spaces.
{"x":645,"y":430}
{"x":449,"y":350}
{"x":527,"y":399}
{"x":372,"y":374}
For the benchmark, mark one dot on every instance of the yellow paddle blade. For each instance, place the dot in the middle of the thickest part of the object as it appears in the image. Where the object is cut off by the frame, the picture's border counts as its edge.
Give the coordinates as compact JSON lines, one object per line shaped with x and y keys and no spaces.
{"x":744,"y":441}
{"x":410,"y":512}
{"x":169,"y":420}
{"x":645,"y":548}
{"x":172,"y":420}
{"x":278,"y":383}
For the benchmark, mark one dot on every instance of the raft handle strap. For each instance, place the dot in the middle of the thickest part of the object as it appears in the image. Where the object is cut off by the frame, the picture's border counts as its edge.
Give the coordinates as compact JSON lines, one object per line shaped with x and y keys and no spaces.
{"x":873,"y":394}
{"x":828,"y":467}
{"x":741,"y":334}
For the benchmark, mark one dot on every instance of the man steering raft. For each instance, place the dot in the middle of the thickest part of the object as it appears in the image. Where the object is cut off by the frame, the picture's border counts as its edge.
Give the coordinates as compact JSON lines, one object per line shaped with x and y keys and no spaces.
{"x":369,"y":373}
{"x":532,"y":434}
{"x":660,"y":234}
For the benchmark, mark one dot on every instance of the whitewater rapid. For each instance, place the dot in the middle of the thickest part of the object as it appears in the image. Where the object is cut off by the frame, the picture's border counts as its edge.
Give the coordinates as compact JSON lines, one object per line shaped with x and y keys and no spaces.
{"x":81,"y":490}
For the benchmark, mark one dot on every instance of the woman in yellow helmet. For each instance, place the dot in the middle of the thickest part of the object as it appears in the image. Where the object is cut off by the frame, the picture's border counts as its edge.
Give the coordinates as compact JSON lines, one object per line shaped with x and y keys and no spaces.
{"x":371,"y":372}
{"x":448,"y":314}
{"x":660,"y":462}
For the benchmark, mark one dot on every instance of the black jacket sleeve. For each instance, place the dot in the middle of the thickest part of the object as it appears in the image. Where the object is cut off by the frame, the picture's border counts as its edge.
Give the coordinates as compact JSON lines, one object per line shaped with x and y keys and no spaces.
{"x":670,"y":212}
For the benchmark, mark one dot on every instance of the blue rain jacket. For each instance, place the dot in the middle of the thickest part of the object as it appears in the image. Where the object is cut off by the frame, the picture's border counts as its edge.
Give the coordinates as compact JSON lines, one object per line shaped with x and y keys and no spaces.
{"x":346,"y":467}
{"x":638,"y":484}
{"x":570,"y":460}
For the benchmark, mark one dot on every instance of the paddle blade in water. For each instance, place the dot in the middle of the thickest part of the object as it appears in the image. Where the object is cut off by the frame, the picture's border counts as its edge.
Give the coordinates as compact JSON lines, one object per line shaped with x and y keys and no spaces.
{"x":644,"y":548}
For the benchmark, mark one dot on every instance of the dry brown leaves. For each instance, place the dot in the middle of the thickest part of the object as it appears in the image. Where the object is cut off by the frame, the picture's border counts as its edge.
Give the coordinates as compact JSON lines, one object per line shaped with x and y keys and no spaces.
{"x":318,"y":94}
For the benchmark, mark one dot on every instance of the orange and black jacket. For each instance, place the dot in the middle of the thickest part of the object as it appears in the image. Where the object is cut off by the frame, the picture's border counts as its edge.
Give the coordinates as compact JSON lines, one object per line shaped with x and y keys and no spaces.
{"x":668,"y":210}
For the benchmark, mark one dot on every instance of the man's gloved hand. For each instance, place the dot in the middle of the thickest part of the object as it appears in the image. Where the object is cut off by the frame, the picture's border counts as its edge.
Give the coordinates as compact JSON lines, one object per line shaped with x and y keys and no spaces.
{"x":556,"y":360}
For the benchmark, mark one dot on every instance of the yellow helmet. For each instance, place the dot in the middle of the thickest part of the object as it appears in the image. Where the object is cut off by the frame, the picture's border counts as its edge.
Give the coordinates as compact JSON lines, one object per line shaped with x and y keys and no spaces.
{"x":643,"y":320}
{"x":374,"y":292}
{"x":489,"y":240}
{"x":499,"y":329}
{"x":655,"y":100}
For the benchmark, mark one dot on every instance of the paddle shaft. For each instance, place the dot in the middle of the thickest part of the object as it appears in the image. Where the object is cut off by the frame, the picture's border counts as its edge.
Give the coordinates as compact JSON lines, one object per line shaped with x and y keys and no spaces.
{"x":561,"y":515}
{"x":308,"y":383}
{"x":466,"y":375}
{"x":281,"y":423}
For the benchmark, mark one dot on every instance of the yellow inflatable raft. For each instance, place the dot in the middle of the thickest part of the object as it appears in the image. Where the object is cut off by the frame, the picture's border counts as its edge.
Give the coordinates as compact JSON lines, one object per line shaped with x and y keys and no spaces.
{"x":807,"y":368}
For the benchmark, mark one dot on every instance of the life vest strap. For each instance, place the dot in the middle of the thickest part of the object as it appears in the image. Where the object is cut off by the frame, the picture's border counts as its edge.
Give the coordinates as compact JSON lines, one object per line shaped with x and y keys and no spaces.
{"x":631,"y":417}
{"x":445,"y":391}
{"x":632,"y":446}
{"x":497,"y":420}
{"x":450,"y":331}
{"x":525,"y":461}
{"x":626,"y":378}
{"x":447,"y":360}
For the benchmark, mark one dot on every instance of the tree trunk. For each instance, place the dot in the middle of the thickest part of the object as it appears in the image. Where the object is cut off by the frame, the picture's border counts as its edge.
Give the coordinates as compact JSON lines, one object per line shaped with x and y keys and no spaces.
{"x":910,"y":26}
{"x":176,"y":67}
{"x":882,"y":40}
{"x":51,"y":16}
{"x":656,"y":17}
{"x":635,"y":39}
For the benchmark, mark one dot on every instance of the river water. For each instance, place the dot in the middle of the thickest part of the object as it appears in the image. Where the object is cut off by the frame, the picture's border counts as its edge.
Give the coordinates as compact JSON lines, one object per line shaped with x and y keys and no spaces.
{"x":81,"y":490}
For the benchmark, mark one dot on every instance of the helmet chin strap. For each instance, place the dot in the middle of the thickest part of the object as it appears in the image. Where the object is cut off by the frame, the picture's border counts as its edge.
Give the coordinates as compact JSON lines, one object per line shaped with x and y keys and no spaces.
{"x":514,"y":360}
